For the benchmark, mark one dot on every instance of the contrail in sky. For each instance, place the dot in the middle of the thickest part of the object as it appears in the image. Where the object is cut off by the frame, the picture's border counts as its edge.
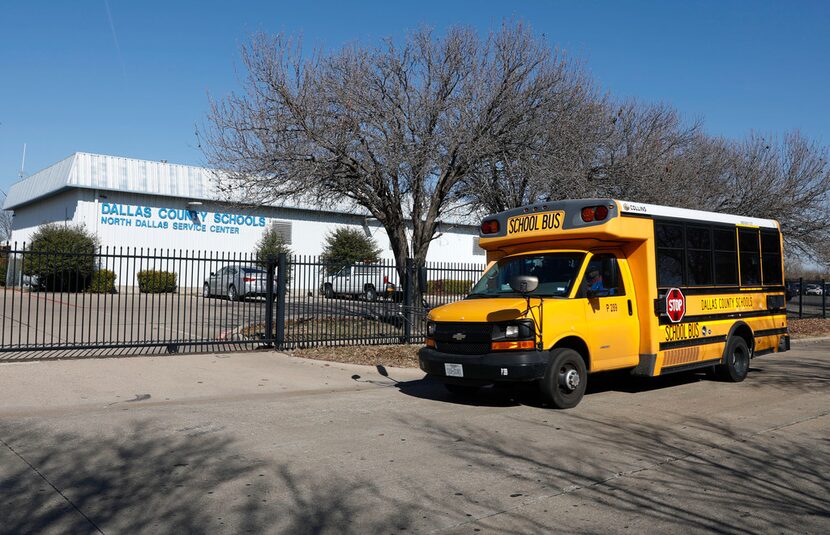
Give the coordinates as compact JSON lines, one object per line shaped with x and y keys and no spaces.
{"x":115,"y":39}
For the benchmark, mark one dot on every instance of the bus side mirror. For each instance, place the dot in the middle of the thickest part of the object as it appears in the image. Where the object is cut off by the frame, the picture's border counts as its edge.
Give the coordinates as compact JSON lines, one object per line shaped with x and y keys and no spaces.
{"x":422,"y":278}
{"x":524,"y":284}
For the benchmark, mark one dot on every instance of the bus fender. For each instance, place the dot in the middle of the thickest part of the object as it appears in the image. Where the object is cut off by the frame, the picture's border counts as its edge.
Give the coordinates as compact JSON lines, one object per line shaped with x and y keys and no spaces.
{"x":576,"y":343}
{"x":742,"y":329}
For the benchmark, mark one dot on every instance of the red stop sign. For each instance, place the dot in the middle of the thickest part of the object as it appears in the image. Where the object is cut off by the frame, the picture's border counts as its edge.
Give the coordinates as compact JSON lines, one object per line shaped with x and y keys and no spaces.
{"x":675,"y":305}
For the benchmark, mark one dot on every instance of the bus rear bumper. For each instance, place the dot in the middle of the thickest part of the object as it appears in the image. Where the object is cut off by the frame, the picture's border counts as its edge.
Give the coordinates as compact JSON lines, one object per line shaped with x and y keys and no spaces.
{"x":486,"y":368}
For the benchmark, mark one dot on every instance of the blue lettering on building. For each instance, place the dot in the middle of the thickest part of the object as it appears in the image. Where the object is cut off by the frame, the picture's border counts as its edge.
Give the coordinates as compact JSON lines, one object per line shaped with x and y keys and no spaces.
{"x":128,"y":215}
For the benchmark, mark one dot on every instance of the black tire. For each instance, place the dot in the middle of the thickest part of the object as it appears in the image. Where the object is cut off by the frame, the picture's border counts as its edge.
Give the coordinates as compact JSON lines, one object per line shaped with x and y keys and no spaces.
{"x":369,"y":293}
{"x":233,"y":295}
{"x":328,"y":291}
{"x":735,"y":361}
{"x":462,"y":391}
{"x":565,"y":379}
{"x":206,"y":291}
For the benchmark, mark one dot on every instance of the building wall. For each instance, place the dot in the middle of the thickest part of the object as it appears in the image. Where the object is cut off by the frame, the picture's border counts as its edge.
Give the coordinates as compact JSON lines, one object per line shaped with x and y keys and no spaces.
{"x":161,"y":225}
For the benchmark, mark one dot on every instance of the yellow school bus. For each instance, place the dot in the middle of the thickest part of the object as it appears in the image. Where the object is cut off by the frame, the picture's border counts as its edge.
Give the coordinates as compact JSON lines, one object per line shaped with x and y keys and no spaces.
{"x":582,"y":286}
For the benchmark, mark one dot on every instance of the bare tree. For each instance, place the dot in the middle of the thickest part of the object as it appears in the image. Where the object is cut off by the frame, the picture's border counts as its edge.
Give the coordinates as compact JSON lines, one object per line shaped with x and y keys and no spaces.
{"x":787,"y":179}
{"x":396,"y":130}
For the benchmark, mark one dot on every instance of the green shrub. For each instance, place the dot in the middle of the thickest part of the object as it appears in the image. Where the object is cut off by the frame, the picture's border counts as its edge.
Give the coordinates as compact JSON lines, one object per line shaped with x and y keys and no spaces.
{"x":60,"y":258}
{"x":102,"y":282}
{"x":156,"y":282}
{"x":346,"y":246}
{"x":449,"y":287}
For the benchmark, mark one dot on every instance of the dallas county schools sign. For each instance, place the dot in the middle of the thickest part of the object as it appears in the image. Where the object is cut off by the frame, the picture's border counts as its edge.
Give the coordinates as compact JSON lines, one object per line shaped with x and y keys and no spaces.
{"x":128,"y":215}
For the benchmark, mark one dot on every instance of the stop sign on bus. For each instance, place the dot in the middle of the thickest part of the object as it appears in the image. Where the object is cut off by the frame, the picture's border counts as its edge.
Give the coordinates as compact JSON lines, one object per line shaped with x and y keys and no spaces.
{"x":675,"y":305}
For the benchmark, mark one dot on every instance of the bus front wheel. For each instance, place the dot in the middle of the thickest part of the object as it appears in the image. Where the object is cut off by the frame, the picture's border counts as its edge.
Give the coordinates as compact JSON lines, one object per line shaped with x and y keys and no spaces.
{"x":565,"y":379}
{"x":735,"y":363}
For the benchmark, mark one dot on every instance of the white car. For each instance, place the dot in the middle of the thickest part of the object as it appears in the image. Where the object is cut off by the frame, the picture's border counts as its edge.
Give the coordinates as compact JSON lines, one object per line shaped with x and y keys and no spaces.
{"x":813,"y":289}
{"x":362,"y":280}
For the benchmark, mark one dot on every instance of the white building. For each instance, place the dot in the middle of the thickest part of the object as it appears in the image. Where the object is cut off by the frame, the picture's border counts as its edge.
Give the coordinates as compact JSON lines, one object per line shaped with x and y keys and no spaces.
{"x":158,"y":206}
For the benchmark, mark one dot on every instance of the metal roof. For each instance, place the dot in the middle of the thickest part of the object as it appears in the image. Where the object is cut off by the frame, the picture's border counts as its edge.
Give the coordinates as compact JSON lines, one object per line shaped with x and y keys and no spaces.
{"x":116,"y":173}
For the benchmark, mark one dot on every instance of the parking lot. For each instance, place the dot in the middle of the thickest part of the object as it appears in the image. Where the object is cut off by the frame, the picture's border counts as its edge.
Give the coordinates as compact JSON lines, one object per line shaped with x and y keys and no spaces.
{"x":238,"y":442}
{"x":185,"y":320}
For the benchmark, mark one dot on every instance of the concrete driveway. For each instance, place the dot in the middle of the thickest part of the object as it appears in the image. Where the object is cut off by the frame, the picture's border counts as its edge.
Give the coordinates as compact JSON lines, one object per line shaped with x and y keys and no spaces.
{"x":265,"y":443}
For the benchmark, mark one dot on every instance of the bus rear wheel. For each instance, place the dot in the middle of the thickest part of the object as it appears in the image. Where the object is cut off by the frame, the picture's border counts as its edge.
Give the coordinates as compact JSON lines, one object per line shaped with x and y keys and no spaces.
{"x":735,"y":363}
{"x":565,"y":379}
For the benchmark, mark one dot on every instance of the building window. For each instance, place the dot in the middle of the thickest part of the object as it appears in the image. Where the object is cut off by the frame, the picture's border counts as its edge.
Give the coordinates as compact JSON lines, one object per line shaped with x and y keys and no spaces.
{"x":283,"y":228}
{"x":477,"y":250}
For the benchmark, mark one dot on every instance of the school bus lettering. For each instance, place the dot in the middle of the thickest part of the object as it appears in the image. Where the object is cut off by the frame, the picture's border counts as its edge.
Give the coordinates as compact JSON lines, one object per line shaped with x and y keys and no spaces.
{"x":682,"y":331}
{"x":621,"y":286}
{"x":535,"y":223}
{"x":725,"y":303}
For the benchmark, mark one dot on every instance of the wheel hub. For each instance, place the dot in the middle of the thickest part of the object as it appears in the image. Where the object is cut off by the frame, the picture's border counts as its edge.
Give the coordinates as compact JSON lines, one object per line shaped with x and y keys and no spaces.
{"x":570,"y":379}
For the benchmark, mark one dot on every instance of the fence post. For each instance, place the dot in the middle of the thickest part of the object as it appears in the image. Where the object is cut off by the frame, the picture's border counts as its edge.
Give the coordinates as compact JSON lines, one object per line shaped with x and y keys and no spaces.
{"x":408,"y":311}
{"x":270,"y":268}
{"x":800,"y":296}
{"x":823,"y":301}
{"x":282,"y":282}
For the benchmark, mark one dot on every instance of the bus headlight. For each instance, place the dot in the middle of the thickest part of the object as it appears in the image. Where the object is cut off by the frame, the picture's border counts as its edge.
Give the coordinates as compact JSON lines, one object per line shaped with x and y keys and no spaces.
{"x":511,"y":331}
{"x":431,"y":328}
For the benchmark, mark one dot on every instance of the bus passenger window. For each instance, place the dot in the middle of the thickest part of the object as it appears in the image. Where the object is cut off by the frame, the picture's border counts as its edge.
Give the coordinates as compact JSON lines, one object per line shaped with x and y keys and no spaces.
{"x":750,"y":256}
{"x":771,"y":257}
{"x":726,"y":257}
{"x":670,"y":254}
{"x":699,"y":255}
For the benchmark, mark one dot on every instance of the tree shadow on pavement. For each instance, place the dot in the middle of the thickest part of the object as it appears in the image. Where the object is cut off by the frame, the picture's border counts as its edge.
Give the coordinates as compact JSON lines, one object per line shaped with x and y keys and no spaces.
{"x":145,"y":480}
{"x":700,"y":476}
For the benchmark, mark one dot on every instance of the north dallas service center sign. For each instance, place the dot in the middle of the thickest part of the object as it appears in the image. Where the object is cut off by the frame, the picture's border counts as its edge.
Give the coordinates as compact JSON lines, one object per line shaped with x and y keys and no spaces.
{"x":128,"y":215}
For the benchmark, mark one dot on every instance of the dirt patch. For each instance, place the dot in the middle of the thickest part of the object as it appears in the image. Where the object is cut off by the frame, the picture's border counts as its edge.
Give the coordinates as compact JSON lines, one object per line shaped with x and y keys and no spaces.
{"x":398,"y":356}
{"x":406,"y":356}
{"x":809,"y":328}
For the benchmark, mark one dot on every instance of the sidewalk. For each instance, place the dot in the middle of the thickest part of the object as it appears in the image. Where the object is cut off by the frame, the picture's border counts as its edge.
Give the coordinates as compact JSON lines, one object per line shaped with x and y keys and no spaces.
{"x":35,"y":386}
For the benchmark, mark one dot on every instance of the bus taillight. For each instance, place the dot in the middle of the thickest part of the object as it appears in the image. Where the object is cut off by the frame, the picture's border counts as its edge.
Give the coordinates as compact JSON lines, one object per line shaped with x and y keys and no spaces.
{"x":594,"y":213}
{"x":490,"y":227}
{"x":588,"y":214}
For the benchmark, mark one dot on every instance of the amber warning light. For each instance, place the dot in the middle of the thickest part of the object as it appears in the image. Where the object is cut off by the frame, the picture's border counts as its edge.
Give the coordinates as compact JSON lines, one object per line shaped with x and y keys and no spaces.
{"x":490,"y":227}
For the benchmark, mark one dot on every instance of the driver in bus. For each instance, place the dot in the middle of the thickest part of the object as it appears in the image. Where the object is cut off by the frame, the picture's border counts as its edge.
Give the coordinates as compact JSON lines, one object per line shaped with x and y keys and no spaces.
{"x":593,"y":281}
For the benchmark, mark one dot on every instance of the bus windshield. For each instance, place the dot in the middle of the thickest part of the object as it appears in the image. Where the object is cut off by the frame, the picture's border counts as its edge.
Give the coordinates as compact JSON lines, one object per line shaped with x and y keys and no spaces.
{"x":556,"y":272}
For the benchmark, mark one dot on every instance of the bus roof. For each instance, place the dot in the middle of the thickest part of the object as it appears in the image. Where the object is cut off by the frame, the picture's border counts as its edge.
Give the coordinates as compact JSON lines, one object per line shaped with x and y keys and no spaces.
{"x":637,"y":208}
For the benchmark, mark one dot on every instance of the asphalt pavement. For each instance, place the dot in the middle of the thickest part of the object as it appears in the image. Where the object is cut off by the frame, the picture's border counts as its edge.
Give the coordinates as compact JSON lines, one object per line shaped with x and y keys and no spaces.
{"x":261,"y":442}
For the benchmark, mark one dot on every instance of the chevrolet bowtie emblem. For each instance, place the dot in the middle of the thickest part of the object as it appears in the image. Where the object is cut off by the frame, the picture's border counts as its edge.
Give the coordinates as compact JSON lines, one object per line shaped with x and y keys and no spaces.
{"x":459,"y":336}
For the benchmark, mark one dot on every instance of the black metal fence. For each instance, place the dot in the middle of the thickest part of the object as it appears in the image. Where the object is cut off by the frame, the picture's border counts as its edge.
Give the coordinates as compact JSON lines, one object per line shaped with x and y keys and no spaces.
{"x":124,"y":299}
{"x":807,"y":298}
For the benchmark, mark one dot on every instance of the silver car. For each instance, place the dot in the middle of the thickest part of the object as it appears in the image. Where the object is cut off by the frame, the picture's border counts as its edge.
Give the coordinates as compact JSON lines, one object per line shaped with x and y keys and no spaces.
{"x":236,"y":282}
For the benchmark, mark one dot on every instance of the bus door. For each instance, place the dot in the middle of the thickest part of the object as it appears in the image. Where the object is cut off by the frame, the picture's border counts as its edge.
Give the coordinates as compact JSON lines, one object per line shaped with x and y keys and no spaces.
{"x":610,"y":312}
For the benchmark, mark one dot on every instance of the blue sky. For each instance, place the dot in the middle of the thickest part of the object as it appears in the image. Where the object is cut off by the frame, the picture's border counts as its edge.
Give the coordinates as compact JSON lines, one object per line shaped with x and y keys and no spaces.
{"x":132,"y":78}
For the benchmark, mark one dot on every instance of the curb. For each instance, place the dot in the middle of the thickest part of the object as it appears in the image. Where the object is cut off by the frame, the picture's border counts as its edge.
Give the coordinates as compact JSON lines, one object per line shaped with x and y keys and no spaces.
{"x":796,"y":341}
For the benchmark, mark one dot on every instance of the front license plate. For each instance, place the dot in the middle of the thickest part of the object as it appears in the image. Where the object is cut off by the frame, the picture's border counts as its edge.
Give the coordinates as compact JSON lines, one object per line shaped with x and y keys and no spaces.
{"x":454,"y":370}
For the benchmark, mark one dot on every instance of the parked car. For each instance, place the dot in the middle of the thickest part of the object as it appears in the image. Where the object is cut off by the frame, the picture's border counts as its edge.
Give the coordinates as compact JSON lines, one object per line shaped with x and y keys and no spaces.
{"x":362,"y":280}
{"x":236,"y":282}
{"x":813,"y":289}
